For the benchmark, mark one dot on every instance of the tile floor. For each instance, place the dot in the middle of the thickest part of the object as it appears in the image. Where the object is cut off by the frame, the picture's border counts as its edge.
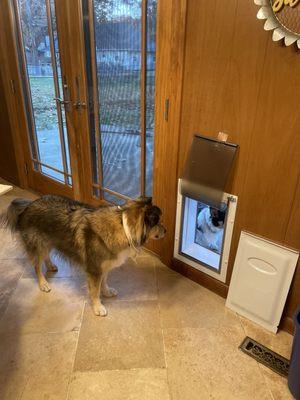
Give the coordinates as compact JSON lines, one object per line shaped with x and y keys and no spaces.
{"x":165,"y":337}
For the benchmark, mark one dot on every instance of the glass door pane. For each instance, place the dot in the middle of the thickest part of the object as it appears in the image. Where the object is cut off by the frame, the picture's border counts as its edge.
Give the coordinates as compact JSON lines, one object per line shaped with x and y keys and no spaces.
{"x":44,"y":88}
{"x":120,"y":41}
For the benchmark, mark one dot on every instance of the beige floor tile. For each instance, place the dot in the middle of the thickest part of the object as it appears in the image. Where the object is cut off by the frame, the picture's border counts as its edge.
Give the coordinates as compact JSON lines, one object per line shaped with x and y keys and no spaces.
{"x":129,"y":337}
{"x":10,"y":245}
{"x":65,"y":269}
{"x":184,"y":303}
{"x":138,"y":384}
{"x":122,"y":356}
{"x":10,"y":273}
{"x":30,"y":310}
{"x":147,"y":258}
{"x":207,"y":364}
{"x":134,"y":281}
{"x":7,"y":198}
{"x":276,"y":384}
{"x":280,"y":342}
{"x":36,"y":366}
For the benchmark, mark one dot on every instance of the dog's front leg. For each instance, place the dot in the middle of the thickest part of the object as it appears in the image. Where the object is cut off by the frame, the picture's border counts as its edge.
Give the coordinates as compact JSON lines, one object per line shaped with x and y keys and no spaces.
{"x":94,"y":282}
{"x":105,"y":289}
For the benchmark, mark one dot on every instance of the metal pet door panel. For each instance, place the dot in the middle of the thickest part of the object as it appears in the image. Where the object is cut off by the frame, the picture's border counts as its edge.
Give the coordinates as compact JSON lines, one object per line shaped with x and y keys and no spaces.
{"x":261,"y":279}
{"x":205,"y":213}
{"x":207,"y":169}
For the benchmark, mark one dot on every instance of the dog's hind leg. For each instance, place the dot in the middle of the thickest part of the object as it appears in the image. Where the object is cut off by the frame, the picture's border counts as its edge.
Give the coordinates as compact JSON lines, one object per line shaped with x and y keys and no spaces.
{"x":50,"y":266}
{"x":37,"y":252}
{"x":105,"y":289}
{"x":37,"y":263}
{"x":94,"y":282}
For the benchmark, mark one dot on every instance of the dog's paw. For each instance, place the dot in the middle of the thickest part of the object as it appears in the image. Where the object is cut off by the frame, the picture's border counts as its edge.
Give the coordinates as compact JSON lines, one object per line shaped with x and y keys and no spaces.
{"x":44,"y":287}
{"x":100,"y":310}
{"x":109,"y":292}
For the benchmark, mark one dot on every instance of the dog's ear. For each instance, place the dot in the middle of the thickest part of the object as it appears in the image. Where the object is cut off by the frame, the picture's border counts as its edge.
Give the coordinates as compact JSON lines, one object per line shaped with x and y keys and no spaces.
{"x":152,"y":216}
{"x":145,"y":200}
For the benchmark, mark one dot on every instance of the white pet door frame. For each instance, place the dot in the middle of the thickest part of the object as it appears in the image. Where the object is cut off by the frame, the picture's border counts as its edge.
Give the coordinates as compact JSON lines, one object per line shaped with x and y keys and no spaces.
{"x":187,"y":250}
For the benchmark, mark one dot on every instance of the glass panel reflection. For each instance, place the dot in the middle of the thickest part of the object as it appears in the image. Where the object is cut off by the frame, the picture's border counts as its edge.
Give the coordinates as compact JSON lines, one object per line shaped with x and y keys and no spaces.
{"x":118,"y":57}
{"x":36,"y":35}
{"x":202,"y":232}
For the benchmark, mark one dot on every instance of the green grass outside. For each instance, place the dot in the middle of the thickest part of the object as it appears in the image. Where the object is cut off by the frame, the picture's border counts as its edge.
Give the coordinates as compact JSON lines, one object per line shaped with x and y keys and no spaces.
{"x":119,"y":94}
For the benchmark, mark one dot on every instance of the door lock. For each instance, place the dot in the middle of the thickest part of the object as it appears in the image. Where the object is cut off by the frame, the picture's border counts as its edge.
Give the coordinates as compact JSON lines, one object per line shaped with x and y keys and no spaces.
{"x":79,"y":104}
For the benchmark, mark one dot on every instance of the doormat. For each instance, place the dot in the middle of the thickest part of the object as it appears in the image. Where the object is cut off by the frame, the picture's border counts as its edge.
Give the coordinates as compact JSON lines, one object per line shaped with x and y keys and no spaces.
{"x":265,"y":356}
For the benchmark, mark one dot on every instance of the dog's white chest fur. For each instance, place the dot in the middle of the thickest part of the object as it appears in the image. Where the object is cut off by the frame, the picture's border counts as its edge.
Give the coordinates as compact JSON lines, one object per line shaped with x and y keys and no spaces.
{"x":116,"y":262}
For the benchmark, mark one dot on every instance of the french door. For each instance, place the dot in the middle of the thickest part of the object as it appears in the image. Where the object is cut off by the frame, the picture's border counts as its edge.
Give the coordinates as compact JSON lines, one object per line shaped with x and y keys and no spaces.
{"x":88,"y":74}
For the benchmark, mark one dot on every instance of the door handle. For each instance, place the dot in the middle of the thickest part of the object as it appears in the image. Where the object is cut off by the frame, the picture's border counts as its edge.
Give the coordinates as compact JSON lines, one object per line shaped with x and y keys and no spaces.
{"x":61,"y":101}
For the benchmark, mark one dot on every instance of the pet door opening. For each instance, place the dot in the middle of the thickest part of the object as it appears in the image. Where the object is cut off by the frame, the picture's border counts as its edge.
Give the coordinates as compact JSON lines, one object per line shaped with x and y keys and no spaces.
{"x":203,"y":234}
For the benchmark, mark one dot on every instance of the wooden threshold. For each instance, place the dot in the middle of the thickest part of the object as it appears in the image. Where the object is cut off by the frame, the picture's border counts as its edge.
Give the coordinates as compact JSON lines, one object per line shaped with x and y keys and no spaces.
{"x":200,"y":277}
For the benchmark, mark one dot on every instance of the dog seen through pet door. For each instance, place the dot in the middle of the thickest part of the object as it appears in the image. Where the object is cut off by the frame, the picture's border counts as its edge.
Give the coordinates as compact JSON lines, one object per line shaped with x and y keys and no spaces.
{"x":205,"y":213}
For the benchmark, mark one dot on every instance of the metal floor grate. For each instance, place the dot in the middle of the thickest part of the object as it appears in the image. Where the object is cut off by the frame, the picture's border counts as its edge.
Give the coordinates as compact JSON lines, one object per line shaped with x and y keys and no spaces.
{"x":265,"y":356}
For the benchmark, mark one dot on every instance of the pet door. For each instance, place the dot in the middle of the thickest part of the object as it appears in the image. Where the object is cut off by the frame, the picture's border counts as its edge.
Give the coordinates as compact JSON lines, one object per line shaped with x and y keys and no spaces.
{"x":205,"y":213}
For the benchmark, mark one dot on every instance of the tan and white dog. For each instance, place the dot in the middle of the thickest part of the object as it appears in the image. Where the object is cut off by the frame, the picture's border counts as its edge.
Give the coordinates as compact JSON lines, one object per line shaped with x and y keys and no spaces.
{"x":96,"y":239}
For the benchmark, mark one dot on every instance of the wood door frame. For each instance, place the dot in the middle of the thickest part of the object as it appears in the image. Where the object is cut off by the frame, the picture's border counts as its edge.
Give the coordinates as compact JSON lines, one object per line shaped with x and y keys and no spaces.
{"x":70,"y":24}
{"x":89,"y":9}
{"x":15,"y":98}
{"x":36,"y":180}
{"x":13,"y":89}
{"x":170,"y":50}
{"x":168,"y":85}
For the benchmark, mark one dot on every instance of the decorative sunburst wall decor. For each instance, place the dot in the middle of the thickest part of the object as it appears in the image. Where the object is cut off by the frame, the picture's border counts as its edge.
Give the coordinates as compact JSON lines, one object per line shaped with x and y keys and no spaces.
{"x":282,"y":16}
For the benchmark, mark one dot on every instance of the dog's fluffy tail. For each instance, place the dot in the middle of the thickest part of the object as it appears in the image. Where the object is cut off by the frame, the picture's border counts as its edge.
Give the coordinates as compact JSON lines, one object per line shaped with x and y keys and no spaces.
{"x":10,"y":218}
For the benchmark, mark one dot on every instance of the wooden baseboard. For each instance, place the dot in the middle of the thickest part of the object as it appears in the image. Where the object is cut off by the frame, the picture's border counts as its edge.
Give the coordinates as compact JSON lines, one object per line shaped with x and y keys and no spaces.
{"x":220,"y":288}
{"x":207,"y":281}
{"x":287,"y":325}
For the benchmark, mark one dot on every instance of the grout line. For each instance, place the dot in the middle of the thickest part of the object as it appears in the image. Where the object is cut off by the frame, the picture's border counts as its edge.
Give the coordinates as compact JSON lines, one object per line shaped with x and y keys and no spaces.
{"x":99,"y":371}
{"x":258,"y":364}
{"x":75,"y":350}
{"x":266,"y":381}
{"x":162,"y":332}
{"x":23,"y":390}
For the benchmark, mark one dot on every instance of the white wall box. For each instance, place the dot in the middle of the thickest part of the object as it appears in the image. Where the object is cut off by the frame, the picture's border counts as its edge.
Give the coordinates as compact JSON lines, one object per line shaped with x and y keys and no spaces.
{"x":261,"y":279}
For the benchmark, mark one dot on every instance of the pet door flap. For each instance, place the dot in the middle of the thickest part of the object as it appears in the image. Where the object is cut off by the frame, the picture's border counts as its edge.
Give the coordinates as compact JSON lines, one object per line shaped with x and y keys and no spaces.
{"x":207,"y":169}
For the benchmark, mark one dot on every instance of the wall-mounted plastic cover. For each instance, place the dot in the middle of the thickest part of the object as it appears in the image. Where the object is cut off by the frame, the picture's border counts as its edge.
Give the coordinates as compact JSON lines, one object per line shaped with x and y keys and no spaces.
{"x":207,"y":169}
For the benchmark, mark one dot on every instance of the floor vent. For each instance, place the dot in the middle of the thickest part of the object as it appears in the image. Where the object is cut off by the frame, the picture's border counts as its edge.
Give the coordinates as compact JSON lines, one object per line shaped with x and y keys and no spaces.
{"x":265,"y":356}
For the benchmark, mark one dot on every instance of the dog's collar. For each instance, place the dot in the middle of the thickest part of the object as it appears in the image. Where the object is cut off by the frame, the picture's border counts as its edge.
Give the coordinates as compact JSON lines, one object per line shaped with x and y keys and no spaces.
{"x":127,"y":233}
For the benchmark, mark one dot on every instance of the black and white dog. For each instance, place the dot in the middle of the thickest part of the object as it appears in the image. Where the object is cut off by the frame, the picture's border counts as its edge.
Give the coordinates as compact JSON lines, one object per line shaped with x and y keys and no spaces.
{"x":210,"y":228}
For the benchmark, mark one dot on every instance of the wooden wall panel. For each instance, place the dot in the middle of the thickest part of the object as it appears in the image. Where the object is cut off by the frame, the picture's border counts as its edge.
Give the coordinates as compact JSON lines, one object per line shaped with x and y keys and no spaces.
{"x":169,"y":69}
{"x":273,"y":168}
{"x":8,"y":165}
{"x":292,"y":235}
{"x":292,"y":238}
{"x":238,"y":81}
